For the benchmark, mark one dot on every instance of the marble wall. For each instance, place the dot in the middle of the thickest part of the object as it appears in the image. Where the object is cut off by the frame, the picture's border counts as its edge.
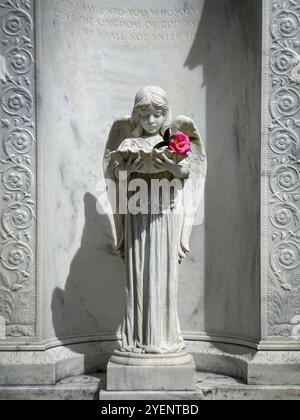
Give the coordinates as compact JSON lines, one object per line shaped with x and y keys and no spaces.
{"x":94,"y":55}
{"x":230,"y":53}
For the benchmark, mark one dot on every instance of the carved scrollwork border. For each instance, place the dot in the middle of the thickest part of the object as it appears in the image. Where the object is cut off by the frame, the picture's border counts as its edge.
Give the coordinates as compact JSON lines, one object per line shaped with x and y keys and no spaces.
{"x":18,"y":159}
{"x":281,"y":169}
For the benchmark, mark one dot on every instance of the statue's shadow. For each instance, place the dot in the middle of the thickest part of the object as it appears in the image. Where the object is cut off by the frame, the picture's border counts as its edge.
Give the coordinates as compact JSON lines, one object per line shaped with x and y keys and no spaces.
{"x":231,"y":295}
{"x":92,"y":305}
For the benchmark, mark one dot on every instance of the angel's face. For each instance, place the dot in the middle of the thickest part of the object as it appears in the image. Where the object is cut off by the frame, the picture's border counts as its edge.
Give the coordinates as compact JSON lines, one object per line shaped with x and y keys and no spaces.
{"x":152,"y":120}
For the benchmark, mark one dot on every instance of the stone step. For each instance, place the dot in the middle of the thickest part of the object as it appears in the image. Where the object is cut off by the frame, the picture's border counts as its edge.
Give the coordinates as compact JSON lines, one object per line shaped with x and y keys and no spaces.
{"x":208,"y":387}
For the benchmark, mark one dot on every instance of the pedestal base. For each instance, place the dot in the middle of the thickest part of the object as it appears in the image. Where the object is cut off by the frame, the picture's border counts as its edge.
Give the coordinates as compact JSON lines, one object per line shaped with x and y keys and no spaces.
{"x":140,"y":372}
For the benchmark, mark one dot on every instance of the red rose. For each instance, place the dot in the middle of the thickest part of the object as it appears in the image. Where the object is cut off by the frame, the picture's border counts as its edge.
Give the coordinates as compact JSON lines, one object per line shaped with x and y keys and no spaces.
{"x":180,"y":143}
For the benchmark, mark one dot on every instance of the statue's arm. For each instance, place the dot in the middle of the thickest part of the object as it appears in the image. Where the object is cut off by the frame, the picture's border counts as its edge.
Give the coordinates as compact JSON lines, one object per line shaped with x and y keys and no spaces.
{"x":183,"y":168}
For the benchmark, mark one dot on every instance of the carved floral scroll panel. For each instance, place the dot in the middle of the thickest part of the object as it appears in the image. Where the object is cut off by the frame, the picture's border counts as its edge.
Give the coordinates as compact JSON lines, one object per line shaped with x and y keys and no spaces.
{"x":17,"y":166}
{"x":282,"y":168}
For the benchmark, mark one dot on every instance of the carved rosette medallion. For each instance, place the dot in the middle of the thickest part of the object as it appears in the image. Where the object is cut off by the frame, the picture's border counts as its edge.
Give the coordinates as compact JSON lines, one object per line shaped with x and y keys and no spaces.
{"x":18,"y":163}
{"x":282,"y":168}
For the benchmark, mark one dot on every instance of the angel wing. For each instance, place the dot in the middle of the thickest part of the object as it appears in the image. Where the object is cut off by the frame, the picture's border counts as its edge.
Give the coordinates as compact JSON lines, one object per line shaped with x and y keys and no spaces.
{"x":121,"y":130}
{"x":193,"y":193}
{"x":3,"y":69}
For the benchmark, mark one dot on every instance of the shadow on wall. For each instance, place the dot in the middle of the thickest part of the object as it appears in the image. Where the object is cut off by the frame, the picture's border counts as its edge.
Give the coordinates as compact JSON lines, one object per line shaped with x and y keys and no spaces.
{"x":93,"y":299}
{"x":228,"y":47}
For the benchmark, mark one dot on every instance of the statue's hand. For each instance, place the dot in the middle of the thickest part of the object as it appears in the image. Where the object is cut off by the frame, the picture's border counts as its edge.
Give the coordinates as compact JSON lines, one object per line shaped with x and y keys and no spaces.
{"x":129,"y":166}
{"x":164,"y":163}
{"x":132,"y":165}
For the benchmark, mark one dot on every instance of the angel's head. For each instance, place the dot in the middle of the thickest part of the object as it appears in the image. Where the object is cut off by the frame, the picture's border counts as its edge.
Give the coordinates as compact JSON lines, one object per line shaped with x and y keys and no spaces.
{"x":151,"y":113}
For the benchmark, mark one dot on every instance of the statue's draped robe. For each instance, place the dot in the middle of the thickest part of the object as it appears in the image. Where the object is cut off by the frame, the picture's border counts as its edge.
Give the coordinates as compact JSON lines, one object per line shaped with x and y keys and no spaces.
{"x":151,"y":255}
{"x":151,"y":241}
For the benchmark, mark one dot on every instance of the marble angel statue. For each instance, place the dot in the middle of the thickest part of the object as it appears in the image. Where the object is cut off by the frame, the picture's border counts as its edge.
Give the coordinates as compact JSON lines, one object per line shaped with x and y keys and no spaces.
{"x":153,"y":244}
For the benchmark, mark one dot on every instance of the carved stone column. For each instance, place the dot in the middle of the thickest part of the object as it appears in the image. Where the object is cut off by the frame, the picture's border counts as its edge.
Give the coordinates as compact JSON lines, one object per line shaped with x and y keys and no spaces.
{"x":18,"y":259}
{"x":281,"y":176}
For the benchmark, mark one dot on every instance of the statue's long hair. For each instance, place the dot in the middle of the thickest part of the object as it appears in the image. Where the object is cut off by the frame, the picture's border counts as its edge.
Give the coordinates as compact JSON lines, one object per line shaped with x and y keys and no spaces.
{"x":157,"y":98}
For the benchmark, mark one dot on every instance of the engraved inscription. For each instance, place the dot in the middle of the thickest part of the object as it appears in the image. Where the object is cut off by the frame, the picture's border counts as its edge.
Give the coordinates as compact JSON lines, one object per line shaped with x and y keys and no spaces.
{"x":129,"y":28}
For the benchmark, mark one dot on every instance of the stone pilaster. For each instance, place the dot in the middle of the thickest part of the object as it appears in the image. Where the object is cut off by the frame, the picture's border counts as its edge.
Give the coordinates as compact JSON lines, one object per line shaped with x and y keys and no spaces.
{"x":18,"y":159}
{"x":281,"y":177}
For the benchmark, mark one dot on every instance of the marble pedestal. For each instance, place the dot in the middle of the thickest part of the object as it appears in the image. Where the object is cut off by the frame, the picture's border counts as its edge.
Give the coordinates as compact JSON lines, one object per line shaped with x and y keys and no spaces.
{"x":140,"y":372}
